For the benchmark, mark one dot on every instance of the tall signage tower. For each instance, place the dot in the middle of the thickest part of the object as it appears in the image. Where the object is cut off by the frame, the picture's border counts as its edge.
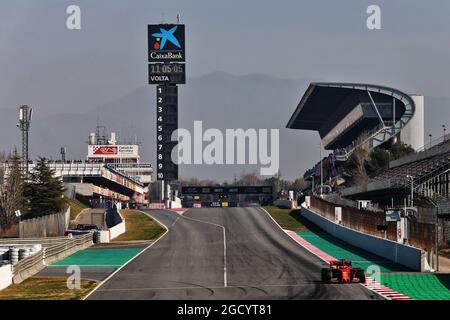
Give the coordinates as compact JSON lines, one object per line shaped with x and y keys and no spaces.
{"x":166,"y":69}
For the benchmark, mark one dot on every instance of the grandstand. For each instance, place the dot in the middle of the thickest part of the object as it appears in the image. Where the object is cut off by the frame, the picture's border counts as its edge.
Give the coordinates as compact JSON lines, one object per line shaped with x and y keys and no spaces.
{"x":111,"y":172}
{"x":98,"y":181}
{"x":347,"y":115}
{"x":430,"y":172}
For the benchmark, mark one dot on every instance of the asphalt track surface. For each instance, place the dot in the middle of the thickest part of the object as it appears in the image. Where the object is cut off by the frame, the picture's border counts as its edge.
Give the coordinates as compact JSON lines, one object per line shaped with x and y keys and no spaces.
{"x":256,"y":261}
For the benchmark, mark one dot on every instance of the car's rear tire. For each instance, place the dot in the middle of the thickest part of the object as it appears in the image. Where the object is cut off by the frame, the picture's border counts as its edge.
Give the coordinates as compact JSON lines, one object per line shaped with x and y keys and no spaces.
{"x":361,"y":275}
{"x":326,"y":275}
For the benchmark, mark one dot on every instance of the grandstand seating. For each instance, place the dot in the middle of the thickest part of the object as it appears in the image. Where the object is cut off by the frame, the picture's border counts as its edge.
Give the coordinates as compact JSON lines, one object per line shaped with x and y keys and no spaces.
{"x":426,"y":173}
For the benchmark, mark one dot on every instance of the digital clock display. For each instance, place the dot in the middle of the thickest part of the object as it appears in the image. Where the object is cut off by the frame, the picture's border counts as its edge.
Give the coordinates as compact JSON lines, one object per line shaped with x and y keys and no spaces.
{"x":167,"y":73}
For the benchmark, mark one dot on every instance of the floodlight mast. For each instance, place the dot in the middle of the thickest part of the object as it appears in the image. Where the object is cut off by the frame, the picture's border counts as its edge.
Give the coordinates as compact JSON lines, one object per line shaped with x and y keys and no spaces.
{"x":25,"y":117}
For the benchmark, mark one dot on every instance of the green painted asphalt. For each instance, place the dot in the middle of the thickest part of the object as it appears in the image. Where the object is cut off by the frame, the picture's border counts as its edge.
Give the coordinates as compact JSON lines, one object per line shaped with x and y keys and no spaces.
{"x":99,"y":258}
{"x":419,"y":286}
{"x":342,"y":250}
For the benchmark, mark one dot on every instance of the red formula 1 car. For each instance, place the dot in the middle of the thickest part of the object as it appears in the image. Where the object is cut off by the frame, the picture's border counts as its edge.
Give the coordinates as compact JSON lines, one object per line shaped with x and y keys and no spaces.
{"x":342,"y":271}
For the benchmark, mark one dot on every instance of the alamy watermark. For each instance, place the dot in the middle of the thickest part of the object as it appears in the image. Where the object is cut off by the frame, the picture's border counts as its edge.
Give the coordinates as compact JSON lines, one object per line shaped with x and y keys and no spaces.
{"x":373,"y":21}
{"x":74,"y":279}
{"x":233,"y":146}
{"x":73,"y":21}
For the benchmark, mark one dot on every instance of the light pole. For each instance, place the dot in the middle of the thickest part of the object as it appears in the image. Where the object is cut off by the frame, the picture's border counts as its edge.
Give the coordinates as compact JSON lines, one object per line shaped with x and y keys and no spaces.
{"x":445,"y":129}
{"x":430,"y":135}
{"x":412,"y":189}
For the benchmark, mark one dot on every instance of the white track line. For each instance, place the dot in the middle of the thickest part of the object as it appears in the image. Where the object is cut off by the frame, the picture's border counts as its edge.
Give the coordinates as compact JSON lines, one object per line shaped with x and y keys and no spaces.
{"x":225,"y":281}
{"x":176,"y":220}
{"x":137,"y":255}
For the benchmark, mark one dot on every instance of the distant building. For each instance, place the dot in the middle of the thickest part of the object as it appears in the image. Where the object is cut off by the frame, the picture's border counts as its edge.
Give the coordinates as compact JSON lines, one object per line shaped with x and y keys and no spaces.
{"x":111,"y":171}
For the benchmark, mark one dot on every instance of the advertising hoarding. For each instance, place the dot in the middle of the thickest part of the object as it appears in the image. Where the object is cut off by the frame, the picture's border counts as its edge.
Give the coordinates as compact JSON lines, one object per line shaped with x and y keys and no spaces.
{"x":166,"y":43}
{"x":105,"y":151}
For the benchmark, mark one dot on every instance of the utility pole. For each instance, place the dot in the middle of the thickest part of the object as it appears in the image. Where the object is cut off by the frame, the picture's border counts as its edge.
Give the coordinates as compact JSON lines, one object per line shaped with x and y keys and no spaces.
{"x":25,"y":117}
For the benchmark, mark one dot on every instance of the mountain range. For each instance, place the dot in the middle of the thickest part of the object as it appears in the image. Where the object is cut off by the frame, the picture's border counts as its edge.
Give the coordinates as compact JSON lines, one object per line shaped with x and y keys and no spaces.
{"x":218,"y":99}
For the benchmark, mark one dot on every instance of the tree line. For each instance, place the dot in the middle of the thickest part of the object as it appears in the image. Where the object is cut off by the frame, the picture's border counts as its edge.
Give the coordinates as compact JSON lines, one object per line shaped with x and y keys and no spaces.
{"x":35,"y":194}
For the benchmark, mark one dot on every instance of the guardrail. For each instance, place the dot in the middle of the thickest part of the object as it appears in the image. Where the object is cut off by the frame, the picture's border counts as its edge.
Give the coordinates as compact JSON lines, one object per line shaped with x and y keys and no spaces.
{"x":27,"y":267}
{"x":45,"y":242}
{"x":60,"y":248}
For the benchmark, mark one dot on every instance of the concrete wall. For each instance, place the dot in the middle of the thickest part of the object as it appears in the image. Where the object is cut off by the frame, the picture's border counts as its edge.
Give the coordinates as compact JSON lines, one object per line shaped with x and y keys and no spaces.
{"x":11,"y":232}
{"x":289,"y":204}
{"x":414,"y":132}
{"x":70,"y":192}
{"x":402,"y":254}
{"x":118,"y":229}
{"x":176,"y":204}
{"x":85,"y":189}
{"x":47,"y":226}
{"x":5,"y":276}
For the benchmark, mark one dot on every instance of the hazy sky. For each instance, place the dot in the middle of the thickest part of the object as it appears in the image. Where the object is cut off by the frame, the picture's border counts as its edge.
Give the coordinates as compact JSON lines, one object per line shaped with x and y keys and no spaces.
{"x":57,"y":70}
{"x":44,"y":64}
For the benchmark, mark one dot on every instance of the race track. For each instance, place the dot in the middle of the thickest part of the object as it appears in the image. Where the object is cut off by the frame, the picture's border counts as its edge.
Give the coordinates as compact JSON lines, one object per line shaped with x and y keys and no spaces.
{"x":257,"y":260}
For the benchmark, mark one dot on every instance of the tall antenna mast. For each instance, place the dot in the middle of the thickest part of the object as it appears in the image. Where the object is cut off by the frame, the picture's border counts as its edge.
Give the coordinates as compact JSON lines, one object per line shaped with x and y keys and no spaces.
{"x":25,"y":117}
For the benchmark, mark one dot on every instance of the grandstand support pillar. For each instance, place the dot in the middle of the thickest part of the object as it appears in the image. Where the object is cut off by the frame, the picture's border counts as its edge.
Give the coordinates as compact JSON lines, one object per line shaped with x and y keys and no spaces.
{"x":321,"y":169}
{"x":393,"y":118}
{"x":375,"y":108}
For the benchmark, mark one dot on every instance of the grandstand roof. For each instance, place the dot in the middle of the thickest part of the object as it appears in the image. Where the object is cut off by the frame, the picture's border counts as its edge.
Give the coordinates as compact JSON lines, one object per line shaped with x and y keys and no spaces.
{"x":324,"y":100}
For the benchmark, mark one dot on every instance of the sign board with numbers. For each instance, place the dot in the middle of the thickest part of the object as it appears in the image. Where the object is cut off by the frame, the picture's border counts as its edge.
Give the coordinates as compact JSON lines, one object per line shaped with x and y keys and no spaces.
{"x":166,"y":124}
{"x":166,"y":73}
{"x":166,"y":68}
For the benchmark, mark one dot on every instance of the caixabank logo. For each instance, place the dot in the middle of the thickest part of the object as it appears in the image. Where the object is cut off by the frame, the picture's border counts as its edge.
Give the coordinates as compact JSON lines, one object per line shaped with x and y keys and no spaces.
{"x":166,"y":43}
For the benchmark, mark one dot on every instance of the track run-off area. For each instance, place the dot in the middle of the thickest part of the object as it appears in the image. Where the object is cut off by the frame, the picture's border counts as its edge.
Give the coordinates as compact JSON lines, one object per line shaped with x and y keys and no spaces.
{"x":223,"y":253}
{"x":415,"y":285}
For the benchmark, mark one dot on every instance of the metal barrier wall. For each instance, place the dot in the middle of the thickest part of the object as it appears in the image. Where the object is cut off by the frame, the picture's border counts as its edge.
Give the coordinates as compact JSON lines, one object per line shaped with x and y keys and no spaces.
{"x":54,"y":249}
{"x":405,"y":255}
{"x":421,"y":235}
